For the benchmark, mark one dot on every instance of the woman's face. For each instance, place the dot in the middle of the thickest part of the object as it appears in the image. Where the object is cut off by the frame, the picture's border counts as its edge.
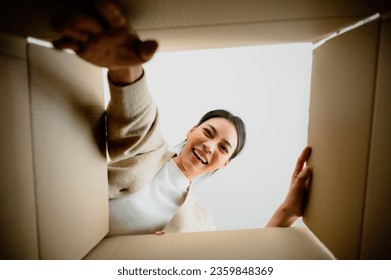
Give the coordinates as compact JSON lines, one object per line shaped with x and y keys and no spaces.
{"x":208,"y":147}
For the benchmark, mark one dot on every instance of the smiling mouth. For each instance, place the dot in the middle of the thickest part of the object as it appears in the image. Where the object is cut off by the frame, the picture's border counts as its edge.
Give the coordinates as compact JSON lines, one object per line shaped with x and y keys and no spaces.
{"x":199,"y":156}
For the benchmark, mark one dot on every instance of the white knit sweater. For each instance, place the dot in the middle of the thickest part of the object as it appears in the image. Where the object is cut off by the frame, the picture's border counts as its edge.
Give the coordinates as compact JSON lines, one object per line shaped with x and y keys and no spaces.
{"x":152,"y":207}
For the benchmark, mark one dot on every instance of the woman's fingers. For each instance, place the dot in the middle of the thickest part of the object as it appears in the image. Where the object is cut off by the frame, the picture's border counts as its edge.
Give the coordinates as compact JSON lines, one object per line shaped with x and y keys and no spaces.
{"x":76,"y":26}
{"x":303,"y":176}
{"x":66,"y":43}
{"x":102,"y":36}
{"x":147,"y":49}
{"x":111,"y":13}
{"x":305,"y":154}
{"x":75,"y":34}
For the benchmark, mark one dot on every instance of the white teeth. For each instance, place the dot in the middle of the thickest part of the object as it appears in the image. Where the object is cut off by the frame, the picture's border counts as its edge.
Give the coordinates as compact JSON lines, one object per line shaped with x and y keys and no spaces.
{"x":200,"y":156}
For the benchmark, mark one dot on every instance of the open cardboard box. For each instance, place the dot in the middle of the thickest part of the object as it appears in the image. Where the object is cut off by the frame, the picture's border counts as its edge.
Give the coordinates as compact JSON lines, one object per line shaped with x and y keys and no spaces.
{"x":53,"y":190}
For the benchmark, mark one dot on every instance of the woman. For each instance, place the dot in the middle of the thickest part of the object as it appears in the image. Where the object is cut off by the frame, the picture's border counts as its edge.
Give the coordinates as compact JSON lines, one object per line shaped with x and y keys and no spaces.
{"x":161,"y":198}
{"x":139,"y":155}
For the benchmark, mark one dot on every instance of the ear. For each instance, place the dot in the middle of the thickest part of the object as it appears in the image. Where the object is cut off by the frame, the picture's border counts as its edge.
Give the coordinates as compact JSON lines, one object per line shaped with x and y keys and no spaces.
{"x":190,"y":131}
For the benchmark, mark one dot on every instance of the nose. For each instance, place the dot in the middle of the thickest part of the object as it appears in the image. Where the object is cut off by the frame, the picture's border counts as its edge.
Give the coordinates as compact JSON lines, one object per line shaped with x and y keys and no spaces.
{"x":208,"y":147}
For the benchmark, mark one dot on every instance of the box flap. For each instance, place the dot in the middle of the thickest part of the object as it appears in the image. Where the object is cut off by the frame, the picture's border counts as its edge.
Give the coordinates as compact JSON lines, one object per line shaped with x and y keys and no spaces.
{"x":340,"y":121}
{"x":180,"y":25}
{"x":18,"y":228}
{"x":376,"y":242}
{"x":267,"y":243}
{"x":69,"y":153}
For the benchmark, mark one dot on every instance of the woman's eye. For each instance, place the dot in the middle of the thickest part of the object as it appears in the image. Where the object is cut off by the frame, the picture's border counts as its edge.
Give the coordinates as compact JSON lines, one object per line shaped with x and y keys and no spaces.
{"x":224,"y":149}
{"x":207,"y":133}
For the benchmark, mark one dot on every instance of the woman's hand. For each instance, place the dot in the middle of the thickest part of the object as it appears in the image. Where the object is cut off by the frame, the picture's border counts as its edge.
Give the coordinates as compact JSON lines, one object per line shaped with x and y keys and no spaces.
{"x":104,"y":38}
{"x":293,"y":206}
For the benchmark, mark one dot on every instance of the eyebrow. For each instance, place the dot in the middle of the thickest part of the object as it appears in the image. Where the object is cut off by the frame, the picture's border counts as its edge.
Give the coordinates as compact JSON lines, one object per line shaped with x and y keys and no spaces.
{"x":215,"y":132}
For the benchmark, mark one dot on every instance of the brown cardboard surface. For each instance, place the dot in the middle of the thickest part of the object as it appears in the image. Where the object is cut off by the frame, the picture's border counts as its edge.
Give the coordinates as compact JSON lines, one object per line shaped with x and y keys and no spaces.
{"x":18,"y":224}
{"x":70,"y":166}
{"x":246,"y":34}
{"x":267,"y":243}
{"x":180,"y":25}
{"x":221,"y":23}
{"x":62,"y":174}
{"x":341,"y":108}
{"x":376,"y":241}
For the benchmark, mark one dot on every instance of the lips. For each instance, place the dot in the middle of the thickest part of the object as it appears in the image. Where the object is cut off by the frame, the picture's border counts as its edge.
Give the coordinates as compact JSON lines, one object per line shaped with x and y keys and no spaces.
{"x":200,"y":155}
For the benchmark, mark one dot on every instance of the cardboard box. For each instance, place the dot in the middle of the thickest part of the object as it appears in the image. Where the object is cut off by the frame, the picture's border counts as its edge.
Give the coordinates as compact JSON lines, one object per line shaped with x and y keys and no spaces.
{"x":55,"y":207}
{"x":53,"y":166}
{"x":351,"y":144}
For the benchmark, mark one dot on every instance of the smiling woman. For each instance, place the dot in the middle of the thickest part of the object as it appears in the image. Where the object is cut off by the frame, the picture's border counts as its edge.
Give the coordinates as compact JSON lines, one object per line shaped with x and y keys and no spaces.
{"x":211,"y":144}
{"x":150,"y":186}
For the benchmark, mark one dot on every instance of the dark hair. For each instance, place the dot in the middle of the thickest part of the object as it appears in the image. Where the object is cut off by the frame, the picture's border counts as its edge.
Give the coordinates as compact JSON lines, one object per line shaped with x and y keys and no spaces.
{"x":235,"y":120}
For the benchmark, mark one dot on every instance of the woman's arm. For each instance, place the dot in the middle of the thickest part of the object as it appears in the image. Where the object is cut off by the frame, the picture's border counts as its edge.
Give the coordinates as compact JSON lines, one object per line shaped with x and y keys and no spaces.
{"x":293,"y":206}
{"x":104,"y":38}
{"x":125,"y":76}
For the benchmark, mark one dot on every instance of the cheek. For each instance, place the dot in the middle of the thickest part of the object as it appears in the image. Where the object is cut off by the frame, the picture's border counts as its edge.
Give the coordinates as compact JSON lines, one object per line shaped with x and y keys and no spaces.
{"x":220,"y":160}
{"x":195,"y":140}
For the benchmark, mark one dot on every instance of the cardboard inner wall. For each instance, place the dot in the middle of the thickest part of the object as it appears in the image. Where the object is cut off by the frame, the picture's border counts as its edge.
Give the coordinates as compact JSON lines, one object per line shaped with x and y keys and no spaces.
{"x":46,"y":159}
{"x":67,"y":110}
{"x":254,"y":244}
{"x":340,"y":125}
{"x":199,"y":24}
{"x":18,"y":223}
{"x":376,"y":241}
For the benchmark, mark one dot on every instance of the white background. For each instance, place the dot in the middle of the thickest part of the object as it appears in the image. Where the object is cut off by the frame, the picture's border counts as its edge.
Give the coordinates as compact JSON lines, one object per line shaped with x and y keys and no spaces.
{"x":268,"y":87}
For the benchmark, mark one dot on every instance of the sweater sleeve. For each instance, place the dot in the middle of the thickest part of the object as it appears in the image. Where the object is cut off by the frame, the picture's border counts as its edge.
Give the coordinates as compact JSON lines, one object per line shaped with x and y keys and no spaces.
{"x":132,"y":121}
{"x":136,"y":147}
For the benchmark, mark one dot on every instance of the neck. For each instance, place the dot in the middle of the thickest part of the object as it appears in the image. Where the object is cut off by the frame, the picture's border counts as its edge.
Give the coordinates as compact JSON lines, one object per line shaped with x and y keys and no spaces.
{"x":178,"y":162}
